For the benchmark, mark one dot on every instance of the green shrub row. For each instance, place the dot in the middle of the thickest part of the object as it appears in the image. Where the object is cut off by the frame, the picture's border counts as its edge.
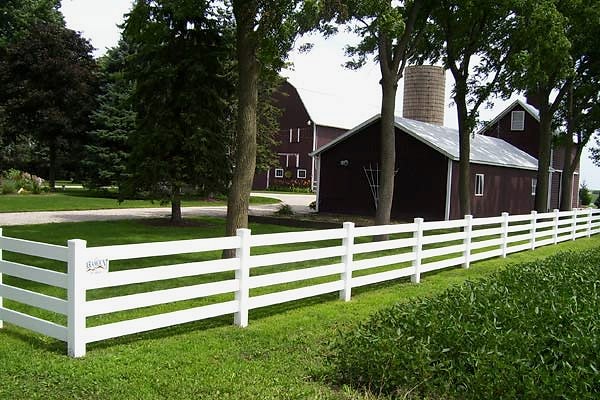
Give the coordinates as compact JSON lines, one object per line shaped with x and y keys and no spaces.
{"x":13,"y":180}
{"x":531,"y":331}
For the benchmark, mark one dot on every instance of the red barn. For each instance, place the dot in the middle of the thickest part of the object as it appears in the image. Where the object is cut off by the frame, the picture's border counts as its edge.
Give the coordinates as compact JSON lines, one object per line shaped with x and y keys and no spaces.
{"x":519,"y":124}
{"x":307,"y":123}
{"x":426,"y":185}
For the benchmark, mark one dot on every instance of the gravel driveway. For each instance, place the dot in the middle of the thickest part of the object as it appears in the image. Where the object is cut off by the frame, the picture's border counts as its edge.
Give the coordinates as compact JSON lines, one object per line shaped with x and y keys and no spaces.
{"x":298,"y":202}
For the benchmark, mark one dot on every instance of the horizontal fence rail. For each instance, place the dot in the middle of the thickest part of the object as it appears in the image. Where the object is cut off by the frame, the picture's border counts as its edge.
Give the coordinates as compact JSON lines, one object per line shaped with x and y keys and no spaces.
{"x":30,"y":297}
{"x":305,"y":264}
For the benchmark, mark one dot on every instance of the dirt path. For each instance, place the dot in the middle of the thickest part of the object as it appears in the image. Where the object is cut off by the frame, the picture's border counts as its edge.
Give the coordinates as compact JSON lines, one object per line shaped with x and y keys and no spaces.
{"x":298,"y":202}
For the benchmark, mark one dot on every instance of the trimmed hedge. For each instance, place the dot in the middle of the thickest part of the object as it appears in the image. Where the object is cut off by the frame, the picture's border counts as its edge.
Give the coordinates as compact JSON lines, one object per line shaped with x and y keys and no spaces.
{"x":530,"y":331}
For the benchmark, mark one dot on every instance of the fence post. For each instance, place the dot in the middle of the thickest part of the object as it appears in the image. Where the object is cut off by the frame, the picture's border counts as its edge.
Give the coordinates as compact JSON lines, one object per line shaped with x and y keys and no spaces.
{"x":555,"y":232}
{"x":467,"y":240}
{"x":574,"y":224}
{"x":76,"y":320}
{"x":418,"y":236}
{"x":504,"y":233}
{"x":347,"y":258}
{"x":242,"y":274}
{"x":533,"y":228}
{"x":589,"y":232}
{"x":1,"y":304}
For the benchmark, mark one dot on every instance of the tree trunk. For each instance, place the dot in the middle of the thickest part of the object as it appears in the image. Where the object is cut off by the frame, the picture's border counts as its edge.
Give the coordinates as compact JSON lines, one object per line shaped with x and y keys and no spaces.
{"x":566,"y":179}
{"x":541,"y":192}
{"x":245,"y":152}
{"x":464,"y":149}
{"x":176,"y":217}
{"x":570,"y":159}
{"x":52,"y":171}
{"x":387,"y":154}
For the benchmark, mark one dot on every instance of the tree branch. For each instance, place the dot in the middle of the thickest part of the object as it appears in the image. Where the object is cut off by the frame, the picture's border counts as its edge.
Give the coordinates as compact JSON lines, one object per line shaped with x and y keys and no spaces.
{"x":561,"y":94}
{"x":400,"y":50}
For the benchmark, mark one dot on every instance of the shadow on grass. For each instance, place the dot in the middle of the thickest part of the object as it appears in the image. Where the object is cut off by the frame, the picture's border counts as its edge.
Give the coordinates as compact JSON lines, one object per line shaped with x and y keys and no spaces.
{"x":53,"y":346}
{"x":213,"y":323}
{"x":36,"y":341}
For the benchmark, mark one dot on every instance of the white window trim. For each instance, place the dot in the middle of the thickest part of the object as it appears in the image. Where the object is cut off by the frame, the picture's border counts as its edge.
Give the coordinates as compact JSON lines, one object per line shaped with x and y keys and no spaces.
{"x":513,"y":121}
{"x":533,"y":186}
{"x":298,"y":174}
{"x":479,"y":192}
{"x":287,"y":158}
{"x":278,"y":172}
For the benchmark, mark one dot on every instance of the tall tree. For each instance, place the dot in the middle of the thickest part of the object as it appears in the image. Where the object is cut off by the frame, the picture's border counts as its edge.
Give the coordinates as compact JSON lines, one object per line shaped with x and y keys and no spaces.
{"x":542,"y":67}
{"x":48,"y":84}
{"x":579,"y":112}
{"x":16,"y":16}
{"x":265,"y":31}
{"x":107,"y":149}
{"x":180,"y":64}
{"x":390,"y":31}
{"x":471,"y":39}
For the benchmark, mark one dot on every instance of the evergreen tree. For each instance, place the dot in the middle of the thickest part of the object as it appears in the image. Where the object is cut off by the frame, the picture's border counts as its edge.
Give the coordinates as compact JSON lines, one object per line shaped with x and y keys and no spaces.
{"x":107,"y":151}
{"x":180,"y":62}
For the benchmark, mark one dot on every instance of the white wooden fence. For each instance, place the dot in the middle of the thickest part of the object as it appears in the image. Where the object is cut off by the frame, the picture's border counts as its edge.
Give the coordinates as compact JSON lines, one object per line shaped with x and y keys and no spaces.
{"x":415,"y":248}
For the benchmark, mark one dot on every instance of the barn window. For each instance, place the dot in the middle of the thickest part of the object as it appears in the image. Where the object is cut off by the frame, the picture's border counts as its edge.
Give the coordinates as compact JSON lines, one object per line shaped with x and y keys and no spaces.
{"x":533,"y":186}
{"x":301,"y":174}
{"x":517,"y":121}
{"x":278,"y":172}
{"x":479,"y":185}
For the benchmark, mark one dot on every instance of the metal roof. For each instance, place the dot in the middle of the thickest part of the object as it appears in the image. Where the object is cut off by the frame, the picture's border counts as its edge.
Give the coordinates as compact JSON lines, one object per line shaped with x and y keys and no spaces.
{"x":484,"y":149}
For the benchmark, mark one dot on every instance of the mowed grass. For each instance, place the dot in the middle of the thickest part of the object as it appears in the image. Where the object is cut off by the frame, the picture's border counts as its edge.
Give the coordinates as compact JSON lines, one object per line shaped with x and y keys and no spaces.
{"x":279,"y":356}
{"x":79,"y":199}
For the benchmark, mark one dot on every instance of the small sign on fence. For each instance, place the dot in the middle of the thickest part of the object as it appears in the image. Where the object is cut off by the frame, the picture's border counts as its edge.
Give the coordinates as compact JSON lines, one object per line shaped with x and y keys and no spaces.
{"x":97,"y":266}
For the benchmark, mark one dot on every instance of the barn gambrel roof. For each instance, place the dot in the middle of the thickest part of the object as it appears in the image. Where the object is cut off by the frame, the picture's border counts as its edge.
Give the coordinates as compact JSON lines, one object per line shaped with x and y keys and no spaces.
{"x":484,"y":149}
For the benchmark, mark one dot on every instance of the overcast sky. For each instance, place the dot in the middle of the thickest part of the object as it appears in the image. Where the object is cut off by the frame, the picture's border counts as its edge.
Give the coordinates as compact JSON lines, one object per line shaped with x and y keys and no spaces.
{"x":351,"y":93}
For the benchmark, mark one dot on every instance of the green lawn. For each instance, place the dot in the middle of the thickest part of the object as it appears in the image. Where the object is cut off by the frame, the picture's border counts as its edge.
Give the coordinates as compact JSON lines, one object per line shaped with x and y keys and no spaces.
{"x":78,"y":199}
{"x":279,"y":356}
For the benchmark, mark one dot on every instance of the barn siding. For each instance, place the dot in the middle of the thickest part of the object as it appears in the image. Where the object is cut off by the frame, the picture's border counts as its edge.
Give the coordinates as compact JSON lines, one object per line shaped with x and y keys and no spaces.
{"x":527,"y":140}
{"x":420,"y":183}
{"x":295,"y":117}
{"x":326,"y":134}
{"x":505,"y":190}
